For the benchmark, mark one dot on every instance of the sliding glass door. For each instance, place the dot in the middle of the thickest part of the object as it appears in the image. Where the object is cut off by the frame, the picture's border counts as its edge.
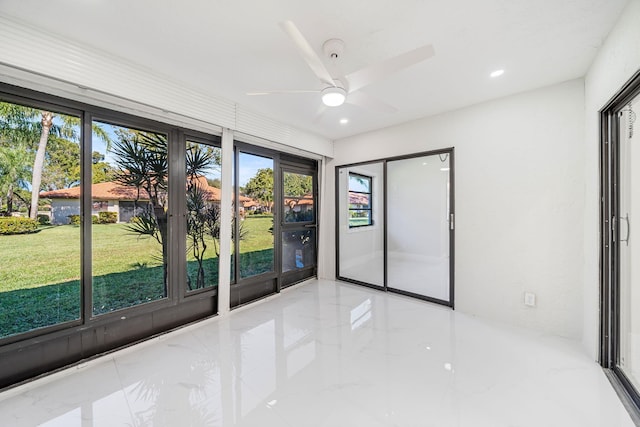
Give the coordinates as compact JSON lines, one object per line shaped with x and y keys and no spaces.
{"x":394,"y":225}
{"x":419,"y":226}
{"x":275,"y":222}
{"x":360,"y":223}
{"x":629,"y":257}
{"x":620,"y":259}
{"x":298,"y":224}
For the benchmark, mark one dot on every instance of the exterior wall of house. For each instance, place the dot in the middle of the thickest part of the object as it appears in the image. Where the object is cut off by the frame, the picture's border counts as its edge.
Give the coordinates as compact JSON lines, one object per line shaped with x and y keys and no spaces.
{"x":62,"y":208}
{"x":617,"y":60}
{"x":519,"y":194}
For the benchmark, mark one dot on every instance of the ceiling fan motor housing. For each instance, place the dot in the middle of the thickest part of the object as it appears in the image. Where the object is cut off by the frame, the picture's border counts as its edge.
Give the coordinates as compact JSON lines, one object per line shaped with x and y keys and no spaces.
{"x":333,"y":48}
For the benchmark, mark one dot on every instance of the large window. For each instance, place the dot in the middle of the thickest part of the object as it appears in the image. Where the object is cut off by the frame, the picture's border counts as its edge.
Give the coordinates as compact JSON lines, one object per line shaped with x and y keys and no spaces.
{"x":203,"y":184}
{"x":360,"y":208}
{"x":94,"y":230}
{"x":130,"y":226}
{"x":40,"y":175}
{"x":110,"y":228}
{"x":254,"y":230}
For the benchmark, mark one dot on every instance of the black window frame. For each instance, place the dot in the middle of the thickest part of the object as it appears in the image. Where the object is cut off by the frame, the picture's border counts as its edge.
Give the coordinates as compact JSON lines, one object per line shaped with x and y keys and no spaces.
{"x":369,"y":193}
{"x":38,"y":351}
{"x":609,"y":275}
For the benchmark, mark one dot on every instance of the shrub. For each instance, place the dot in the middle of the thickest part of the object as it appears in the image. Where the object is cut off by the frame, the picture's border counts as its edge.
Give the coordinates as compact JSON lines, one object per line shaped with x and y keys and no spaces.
{"x":44,"y":219}
{"x":75,"y":219}
{"x":17,"y":225}
{"x":107,"y":217}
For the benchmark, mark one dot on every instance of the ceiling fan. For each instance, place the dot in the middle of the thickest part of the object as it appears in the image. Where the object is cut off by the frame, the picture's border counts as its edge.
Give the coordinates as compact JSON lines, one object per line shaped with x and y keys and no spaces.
{"x":336,"y":91}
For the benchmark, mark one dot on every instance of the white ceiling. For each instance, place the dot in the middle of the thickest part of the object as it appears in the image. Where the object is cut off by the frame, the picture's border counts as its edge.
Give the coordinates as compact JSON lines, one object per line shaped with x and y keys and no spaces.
{"x":230,"y":47}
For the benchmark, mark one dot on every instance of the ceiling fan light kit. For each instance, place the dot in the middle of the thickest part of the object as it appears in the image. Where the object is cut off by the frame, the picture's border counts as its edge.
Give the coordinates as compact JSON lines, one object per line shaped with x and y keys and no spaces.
{"x":336,"y":90}
{"x":333,"y":96}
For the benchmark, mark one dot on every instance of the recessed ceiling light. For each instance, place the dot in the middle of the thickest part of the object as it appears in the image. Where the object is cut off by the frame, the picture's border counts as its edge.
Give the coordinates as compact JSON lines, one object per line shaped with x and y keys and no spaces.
{"x":497,"y":73}
{"x":344,"y":121}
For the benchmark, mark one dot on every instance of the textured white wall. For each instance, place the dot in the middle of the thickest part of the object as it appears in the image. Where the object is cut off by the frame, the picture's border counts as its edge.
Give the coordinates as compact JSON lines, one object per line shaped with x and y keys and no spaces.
{"x":519,"y":201}
{"x":617,"y":60}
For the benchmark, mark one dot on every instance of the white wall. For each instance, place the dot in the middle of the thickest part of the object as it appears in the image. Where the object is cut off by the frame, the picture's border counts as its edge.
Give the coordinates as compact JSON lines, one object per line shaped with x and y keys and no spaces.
{"x":519,"y":201}
{"x":62,"y":208}
{"x":616,"y":62}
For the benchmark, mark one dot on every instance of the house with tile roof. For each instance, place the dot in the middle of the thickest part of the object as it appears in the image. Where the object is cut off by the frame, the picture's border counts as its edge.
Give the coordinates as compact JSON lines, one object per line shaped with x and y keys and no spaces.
{"x":106,"y":197}
{"x":126,"y":201}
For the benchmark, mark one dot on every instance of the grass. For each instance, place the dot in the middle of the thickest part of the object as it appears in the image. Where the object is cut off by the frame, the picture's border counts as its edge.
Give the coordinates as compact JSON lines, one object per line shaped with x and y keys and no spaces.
{"x":40,"y":273}
{"x":356,"y":222}
{"x":256,"y":249}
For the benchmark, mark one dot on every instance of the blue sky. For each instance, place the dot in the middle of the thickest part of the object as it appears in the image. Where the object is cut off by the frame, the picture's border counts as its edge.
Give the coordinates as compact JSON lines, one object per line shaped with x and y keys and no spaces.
{"x":249,"y":163}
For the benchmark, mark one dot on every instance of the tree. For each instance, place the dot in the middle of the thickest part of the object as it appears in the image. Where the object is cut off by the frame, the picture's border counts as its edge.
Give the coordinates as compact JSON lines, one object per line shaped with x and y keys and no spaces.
{"x":214,"y":182}
{"x":201,"y":216}
{"x":18,"y":122}
{"x":68,"y":129}
{"x":101,"y":171}
{"x":260,"y":187}
{"x":14,"y":172}
{"x":38,"y":163}
{"x":62,"y":164}
{"x":17,"y":129}
{"x":141,"y":159}
{"x":297,"y":185}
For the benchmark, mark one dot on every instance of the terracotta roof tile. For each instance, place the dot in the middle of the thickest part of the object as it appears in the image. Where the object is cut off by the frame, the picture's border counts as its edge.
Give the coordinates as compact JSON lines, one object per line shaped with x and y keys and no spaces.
{"x":115,"y":191}
{"x":102,"y":191}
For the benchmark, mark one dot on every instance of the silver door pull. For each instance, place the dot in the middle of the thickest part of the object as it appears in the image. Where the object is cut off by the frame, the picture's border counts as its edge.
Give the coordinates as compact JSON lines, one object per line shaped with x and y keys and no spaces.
{"x":626,"y":218}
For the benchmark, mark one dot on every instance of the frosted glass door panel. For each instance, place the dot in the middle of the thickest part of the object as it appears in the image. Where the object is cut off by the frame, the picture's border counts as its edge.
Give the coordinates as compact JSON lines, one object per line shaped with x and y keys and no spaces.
{"x":418,"y":229}
{"x":629,"y":274}
{"x":360,"y":222}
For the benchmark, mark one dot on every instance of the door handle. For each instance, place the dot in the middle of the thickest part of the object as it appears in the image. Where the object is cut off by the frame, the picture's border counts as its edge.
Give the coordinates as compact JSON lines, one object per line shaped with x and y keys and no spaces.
{"x":626,"y":218}
{"x":311,"y":226}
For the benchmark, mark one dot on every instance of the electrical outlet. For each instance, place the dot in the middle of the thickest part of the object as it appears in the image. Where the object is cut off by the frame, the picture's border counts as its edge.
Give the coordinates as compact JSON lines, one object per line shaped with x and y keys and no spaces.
{"x":529,"y":299}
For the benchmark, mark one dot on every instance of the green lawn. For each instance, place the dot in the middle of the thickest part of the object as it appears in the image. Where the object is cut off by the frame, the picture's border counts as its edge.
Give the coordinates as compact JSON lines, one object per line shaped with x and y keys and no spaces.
{"x":40,"y":272}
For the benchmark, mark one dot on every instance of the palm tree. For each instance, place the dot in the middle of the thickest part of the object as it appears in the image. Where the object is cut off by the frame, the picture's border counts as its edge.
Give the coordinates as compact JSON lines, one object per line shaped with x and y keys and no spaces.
{"x":67,"y":129}
{"x":38,"y":163}
{"x":21,"y":123}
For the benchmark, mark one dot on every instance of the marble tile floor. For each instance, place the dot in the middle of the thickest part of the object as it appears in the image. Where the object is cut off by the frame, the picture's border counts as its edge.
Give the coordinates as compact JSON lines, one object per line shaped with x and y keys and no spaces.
{"x":329,"y":354}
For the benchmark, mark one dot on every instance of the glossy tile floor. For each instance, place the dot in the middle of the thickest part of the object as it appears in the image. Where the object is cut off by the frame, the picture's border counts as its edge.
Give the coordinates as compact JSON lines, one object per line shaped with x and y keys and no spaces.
{"x":329,"y":354}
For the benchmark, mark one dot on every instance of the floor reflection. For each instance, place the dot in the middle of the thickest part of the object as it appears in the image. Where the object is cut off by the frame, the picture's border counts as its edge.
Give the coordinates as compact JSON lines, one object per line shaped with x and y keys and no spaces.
{"x":329,"y":354}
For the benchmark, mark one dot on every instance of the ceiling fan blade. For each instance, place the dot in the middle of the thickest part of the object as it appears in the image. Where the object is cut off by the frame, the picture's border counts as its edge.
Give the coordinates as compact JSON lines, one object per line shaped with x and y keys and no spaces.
{"x":373,"y":73}
{"x":271,"y":92}
{"x":319,"y":113}
{"x":309,"y":55}
{"x":362,"y":99}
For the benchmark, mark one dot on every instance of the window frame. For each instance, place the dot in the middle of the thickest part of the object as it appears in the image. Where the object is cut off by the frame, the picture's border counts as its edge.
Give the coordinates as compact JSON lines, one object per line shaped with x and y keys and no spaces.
{"x":45,"y":349}
{"x":609,"y":274}
{"x":370,"y":193}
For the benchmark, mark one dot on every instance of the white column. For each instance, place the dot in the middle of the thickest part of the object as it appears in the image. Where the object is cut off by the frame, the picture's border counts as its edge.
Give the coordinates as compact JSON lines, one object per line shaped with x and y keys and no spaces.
{"x":226,"y":206}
